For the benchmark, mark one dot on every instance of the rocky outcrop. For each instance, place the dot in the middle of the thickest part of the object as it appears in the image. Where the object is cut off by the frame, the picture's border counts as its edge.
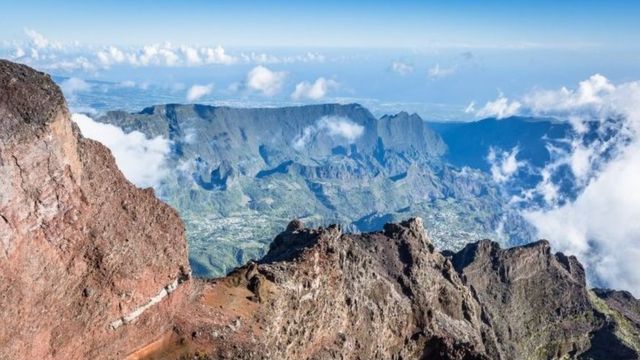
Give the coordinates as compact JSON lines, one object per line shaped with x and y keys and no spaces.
{"x":322,"y":294}
{"x":81,"y":247}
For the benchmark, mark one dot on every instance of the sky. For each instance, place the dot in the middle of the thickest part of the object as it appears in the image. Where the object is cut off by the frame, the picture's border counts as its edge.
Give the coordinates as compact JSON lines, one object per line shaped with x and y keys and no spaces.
{"x":434,"y":58}
{"x":331,"y":23}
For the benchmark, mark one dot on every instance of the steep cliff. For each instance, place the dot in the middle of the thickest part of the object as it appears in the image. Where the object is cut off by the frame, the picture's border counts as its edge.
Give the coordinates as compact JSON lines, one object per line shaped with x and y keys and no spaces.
{"x":84,"y":252}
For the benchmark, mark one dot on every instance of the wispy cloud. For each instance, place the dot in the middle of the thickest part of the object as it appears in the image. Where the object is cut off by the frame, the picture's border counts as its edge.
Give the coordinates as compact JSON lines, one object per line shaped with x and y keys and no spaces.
{"x":438,"y":72}
{"x":401,"y":68}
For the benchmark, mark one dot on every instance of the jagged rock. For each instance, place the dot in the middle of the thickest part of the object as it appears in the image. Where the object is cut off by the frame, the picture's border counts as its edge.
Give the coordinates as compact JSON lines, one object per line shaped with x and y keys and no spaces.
{"x":389,"y":295}
{"x":71,"y":227}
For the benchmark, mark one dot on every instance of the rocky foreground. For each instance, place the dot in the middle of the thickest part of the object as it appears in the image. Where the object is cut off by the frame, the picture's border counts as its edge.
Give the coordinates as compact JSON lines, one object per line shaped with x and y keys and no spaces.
{"x":93,"y":268}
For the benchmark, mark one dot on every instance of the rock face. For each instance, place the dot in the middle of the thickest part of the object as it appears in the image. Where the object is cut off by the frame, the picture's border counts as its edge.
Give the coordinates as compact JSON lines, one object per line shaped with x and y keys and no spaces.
{"x":83,"y":252}
{"x":322,"y":294}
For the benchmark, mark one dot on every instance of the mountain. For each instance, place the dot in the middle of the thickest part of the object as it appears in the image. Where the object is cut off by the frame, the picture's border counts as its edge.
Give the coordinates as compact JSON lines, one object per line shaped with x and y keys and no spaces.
{"x":94,"y":268}
{"x":323,"y":294}
{"x":84,"y":252}
{"x":469,"y":143}
{"x":238,"y":174}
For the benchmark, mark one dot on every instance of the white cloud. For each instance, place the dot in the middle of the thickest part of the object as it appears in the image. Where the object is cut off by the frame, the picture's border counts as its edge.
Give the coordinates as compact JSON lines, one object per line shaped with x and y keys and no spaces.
{"x":337,"y":127}
{"x":504,"y":164}
{"x":266,"y":81}
{"x":141,"y":160}
{"x":39,"y":41}
{"x":499,"y":108}
{"x":590,"y":96}
{"x":217,"y":55}
{"x":73,"y":85}
{"x":341,"y":127}
{"x":198,"y":91}
{"x":111,"y":55}
{"x":164,"y":55}
{"x":600,"y":225}
{"x":471,"y":108}
{"x":401,"y":68}
{"x":313,"y":91}
{"x":40,"y":52}
{"x":437,"y":72}
{"x":19,"y":53}
{"x":191,"y":55}
{"x":263,"y":58}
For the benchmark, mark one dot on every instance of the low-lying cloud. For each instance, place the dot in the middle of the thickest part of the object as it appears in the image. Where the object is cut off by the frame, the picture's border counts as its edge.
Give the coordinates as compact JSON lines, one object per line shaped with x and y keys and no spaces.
{"x":337,"y":127}
{"x":504,"y":164}
{"x":600,"y":224}
{"x":141,"y":160}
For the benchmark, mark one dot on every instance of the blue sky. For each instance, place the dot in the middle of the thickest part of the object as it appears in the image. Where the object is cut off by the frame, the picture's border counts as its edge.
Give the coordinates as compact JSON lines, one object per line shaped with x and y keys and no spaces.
{"x":434,"y":58}
{"x":331,"y":23}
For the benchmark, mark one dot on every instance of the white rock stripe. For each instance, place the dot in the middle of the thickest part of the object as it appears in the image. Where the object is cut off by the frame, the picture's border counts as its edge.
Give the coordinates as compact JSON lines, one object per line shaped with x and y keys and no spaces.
{"x":133,"y":315}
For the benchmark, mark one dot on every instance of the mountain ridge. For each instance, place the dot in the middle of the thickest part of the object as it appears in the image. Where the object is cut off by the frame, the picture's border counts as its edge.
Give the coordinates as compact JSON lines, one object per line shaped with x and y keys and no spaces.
{"x":326,"y":163}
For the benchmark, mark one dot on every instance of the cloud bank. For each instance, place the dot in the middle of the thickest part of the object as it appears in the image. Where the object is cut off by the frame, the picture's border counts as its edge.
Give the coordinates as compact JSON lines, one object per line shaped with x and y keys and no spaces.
{"x":141,"y":160}
{"x":39,"y":51}
{"x":600,"y":225}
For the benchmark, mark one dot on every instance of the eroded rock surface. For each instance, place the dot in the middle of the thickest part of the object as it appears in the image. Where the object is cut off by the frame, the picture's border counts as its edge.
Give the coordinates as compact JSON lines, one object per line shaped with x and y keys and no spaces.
{"x":322,"y":294}
{"x":80,"y":247}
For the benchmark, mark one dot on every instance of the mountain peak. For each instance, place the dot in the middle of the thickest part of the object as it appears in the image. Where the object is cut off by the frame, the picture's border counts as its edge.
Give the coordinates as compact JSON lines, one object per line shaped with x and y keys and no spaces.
{"x":29,"y":100}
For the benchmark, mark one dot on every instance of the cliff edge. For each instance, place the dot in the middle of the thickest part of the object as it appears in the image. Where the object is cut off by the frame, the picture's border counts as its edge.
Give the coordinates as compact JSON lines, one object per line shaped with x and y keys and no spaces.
{"x":83,"y":252}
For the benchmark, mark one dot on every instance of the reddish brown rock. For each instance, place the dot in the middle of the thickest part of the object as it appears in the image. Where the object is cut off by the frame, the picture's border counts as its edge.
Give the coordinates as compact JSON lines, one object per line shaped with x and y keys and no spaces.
{"x":81,"y":247}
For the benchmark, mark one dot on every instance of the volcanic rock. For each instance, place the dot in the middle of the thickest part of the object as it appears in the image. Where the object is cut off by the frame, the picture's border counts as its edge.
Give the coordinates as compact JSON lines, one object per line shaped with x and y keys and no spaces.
{"x":83,"y":252}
